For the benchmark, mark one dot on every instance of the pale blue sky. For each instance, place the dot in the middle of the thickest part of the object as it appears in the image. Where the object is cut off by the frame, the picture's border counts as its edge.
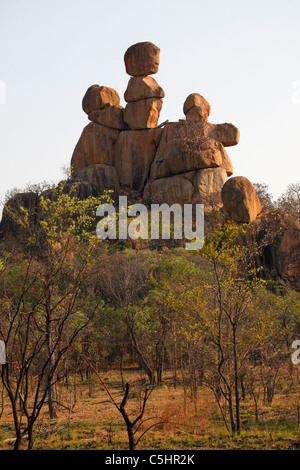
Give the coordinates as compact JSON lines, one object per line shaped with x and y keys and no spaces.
{"x":242,"y":56}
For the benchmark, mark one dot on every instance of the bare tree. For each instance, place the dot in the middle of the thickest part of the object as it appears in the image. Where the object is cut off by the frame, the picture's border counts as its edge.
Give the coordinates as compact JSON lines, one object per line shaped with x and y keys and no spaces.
{"x":46,"y":300}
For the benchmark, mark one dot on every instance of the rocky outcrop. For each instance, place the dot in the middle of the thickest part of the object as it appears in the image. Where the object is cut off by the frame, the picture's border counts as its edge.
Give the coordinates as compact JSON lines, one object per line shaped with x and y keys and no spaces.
{"x":182,"y":155}
{"x":126,"y":148}
{"x":112,"y":117}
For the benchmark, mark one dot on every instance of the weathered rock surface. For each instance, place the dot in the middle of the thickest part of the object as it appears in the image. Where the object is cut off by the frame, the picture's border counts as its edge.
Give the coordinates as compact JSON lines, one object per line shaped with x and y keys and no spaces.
{"x":196,"y":115}
{"x":184,"y":162}
{"x":196,"y":107}
{"x":98,"y":97}
{"x":96,"y":145}
{"x":100,"y":176}
{"x":113,"y":117}
{"x":177,"y":156}
{"x":8,"y":225}
{"x":196,"y":187}
{"x":240,"y":200}
{"x":175,"y":189}
{"x":279,"y":235}
{"x":94,"y":115}
{"x":83,"y":188}
{"x":208,"y":184}
{"x":134,"y":154}
{"x":141,"y":88}
{"x":227,"y":134}
{"x":188,"y":156}
{"x":143,"y":114}
{"x":226,"y":162}
{"x":142,"y":59}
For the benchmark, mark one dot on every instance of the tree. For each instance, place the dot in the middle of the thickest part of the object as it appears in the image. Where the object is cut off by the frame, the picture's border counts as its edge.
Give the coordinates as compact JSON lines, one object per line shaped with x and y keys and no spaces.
{"x":123,"y":282}
{"x":46,"y":300}
{"x":226,"y":322}
{"x":290,"y":201}
{"x":132,"y":425}
{"x":265,"y":196}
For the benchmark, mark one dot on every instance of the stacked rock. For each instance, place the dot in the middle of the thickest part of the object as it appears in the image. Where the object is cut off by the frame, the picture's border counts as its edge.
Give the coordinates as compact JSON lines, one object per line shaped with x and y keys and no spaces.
{"x":102,"y":105}
{"x":135,"y":149}
{"x":196,"y":108}
{"x":118,"y":147}
{"x":191,"y":164}
{"x":93,"y":157}
{"x":197,"y":111}
{"x":125,"y":149}
{"x":143,"y":94}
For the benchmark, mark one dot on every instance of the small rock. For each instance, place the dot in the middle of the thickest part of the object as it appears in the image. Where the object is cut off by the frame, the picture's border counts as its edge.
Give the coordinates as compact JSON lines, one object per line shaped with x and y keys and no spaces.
{"x":141,"y":88}
{"x":197,"y":107}
{"x":134,"y":154}
{"x":98,"y":97}
{"x":227,"y":134}
{"x":142,"y":59}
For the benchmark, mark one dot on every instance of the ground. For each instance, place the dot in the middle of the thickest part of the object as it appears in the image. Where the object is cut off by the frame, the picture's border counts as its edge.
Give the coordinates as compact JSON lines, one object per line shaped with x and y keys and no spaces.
{"x":185,"y":422}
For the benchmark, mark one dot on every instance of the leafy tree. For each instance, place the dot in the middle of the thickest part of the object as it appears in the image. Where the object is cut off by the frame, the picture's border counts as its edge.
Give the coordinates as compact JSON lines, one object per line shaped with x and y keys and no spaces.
{"x":47,"y":299}
{"x":225,"y":323}
{"x":124,"y":280}
{"x":264,"y":195}
{"x":289,"y":202}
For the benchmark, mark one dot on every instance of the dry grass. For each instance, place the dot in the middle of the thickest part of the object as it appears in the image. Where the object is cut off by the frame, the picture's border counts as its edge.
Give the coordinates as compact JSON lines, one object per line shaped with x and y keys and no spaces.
{"x":183,"y":421}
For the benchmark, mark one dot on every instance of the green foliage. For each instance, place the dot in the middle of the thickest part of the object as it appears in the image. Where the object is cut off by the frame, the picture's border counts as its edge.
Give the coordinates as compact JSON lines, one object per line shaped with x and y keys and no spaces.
{"x":290,"y":201}
{"x":206,"y":314}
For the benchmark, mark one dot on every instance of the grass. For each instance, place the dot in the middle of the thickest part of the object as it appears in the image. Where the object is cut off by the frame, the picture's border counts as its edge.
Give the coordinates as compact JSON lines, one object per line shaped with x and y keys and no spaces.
{"x":185,"y":422}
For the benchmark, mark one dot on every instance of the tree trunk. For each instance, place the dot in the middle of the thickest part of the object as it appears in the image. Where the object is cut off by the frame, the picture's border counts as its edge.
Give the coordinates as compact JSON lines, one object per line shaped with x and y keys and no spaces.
{"x":51,"y":367}
{"x":236,"y":385}
{"x":140,"y":357}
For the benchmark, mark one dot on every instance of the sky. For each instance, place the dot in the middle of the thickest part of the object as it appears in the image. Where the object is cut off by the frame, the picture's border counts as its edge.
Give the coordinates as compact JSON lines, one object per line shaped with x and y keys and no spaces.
{"x":242,"y":56}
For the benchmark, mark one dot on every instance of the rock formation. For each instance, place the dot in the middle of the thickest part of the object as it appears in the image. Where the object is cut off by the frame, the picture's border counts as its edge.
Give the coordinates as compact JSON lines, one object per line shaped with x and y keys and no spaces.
{"x":126,"y":149}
